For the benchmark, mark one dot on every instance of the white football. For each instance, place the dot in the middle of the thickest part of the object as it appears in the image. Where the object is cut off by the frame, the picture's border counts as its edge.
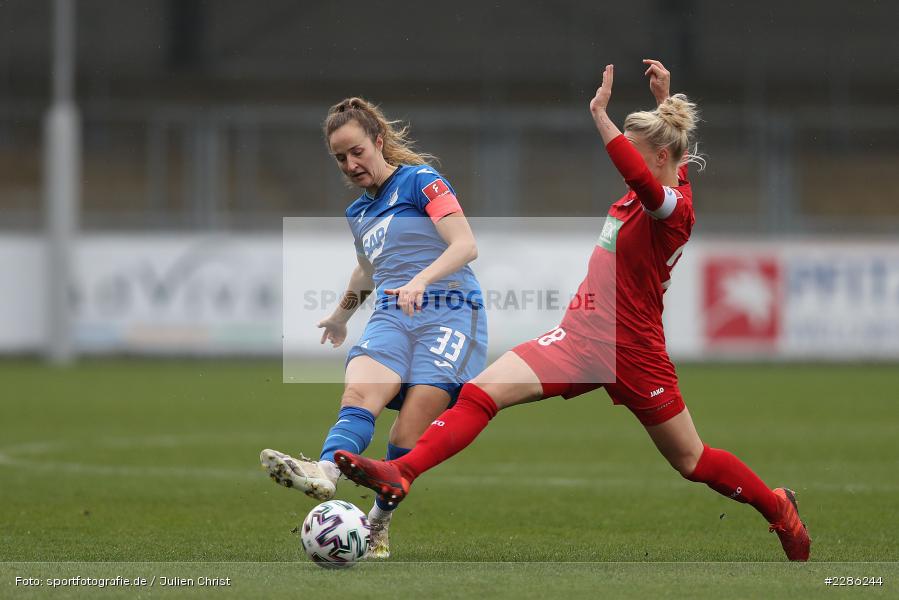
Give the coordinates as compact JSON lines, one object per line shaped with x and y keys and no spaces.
{"x":335,"y":534}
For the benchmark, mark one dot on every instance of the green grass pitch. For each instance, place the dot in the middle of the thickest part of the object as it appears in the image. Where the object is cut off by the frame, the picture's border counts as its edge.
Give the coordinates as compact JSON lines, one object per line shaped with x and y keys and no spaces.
{"x":150,"y":468}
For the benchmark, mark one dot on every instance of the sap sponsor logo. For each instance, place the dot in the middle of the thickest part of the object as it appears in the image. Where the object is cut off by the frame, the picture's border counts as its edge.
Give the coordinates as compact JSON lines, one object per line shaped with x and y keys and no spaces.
{"x":374,"y":238}
{"x":741,"y":300}
{"x":655,"y":393}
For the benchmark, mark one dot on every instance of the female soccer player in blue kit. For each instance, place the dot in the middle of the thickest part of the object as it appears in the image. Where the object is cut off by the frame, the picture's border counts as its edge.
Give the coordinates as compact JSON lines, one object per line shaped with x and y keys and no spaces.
{"x":428,"y":333}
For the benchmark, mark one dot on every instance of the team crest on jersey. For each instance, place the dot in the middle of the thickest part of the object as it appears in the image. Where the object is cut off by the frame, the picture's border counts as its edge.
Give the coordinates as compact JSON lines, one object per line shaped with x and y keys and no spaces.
{"x":374,"y":238}
{"x":609,"y":235}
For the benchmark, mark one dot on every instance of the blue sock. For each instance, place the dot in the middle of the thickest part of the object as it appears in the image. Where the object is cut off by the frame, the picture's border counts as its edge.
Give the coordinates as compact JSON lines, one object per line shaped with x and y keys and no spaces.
{"x":353,"y":431}
{"x":393,"y":452}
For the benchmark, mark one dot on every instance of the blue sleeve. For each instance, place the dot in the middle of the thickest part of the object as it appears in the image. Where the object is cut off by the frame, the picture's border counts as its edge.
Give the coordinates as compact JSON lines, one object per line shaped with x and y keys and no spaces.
{"x":429,"y":185}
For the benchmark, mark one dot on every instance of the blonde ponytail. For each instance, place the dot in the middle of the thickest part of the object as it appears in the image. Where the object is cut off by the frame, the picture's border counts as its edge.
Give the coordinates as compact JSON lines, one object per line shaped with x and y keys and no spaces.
{"x":670,"y":125}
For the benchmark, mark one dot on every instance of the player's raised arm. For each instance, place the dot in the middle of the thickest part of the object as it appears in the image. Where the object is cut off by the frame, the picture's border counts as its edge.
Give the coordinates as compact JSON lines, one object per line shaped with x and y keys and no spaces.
{"x":607,"y":129}
{"x":624,"y":155}
{"x":659,"y":80}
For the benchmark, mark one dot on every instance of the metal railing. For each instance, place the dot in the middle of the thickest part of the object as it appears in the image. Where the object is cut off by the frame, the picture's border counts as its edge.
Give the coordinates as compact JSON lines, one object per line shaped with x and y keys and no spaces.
{"x":238,"y":167}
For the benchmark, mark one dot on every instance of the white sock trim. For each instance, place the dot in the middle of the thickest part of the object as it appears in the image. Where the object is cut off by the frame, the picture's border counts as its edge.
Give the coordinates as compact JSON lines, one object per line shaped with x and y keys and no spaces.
{"x":378,"y":514}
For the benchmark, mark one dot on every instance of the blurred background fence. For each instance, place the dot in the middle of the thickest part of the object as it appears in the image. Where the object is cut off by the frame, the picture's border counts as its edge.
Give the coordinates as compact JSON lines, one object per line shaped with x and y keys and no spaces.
{"x":245,"y":167}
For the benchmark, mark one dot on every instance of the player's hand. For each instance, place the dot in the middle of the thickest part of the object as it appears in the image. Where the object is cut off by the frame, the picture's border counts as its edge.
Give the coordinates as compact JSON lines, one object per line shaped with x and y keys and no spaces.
{"x":659,"y":79}
{"x":409,"y":297}
{"x":603,"y":93}
{"x":334,"y":330}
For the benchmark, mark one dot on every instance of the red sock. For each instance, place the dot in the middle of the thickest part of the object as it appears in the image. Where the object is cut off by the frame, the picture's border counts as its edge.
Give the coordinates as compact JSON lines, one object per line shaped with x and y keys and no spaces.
{"x":727,"y":475}
{"x":450,"y":432}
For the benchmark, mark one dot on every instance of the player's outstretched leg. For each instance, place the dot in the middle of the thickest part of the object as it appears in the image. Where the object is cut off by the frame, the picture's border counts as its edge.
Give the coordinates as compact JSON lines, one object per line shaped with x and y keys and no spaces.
{"x":379,"y":540}
{"x":422,"y":403}
{"x":789,"y":528}
{"x":678,"y":441}
{"x":729,"y":476}
{"x":507,"y":382}
{"x":303,"y":474}
{"x":381,"y":514}
{"x":379,"y":475}
{"x":355,"y":427}
{"x":452,"y":431}
{"x":369,"y":387}
{"x":318,"y":479}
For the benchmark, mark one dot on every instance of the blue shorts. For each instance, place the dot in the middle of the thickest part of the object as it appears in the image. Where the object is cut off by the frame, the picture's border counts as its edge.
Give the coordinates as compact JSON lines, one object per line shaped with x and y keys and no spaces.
{"x":440,"y":346}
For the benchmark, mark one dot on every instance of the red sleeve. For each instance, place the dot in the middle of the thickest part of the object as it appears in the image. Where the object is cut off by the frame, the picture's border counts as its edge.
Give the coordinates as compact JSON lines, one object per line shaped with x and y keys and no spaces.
{"x":635,"y":172}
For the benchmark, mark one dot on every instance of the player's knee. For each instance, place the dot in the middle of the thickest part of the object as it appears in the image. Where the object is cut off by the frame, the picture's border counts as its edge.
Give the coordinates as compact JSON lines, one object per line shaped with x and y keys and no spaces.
{"x":685,"y":464}
{"x":352,"y":396}
{"x":489,"y":390}
{"x":404,"y":438}
{"x":494,"y":391}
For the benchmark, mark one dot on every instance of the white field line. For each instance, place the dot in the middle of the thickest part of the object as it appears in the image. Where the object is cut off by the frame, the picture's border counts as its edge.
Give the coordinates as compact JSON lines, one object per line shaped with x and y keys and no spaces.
{"x":454,"y":481}
{"x":36,"y":458}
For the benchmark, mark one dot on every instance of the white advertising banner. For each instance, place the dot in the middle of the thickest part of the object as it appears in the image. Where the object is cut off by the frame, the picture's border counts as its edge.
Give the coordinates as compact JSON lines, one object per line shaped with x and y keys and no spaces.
{"x":182,"y":294}
{"x":194,"y":294}
{"x":785,"y":299}
{"x":166,"y":294}
{"x":23,"y":282}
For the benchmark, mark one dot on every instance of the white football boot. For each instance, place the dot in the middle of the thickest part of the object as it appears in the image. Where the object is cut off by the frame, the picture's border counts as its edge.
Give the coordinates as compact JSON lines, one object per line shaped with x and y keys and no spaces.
{"x":378,"y":543}
{"x":314,"y":478}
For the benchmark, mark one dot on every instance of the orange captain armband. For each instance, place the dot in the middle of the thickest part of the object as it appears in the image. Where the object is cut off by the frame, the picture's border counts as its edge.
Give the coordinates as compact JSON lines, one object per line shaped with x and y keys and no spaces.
{"x":441,"y":200}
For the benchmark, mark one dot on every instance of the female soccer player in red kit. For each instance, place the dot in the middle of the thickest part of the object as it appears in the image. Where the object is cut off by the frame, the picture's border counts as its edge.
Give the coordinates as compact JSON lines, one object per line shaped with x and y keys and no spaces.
{"x":644,"y":235}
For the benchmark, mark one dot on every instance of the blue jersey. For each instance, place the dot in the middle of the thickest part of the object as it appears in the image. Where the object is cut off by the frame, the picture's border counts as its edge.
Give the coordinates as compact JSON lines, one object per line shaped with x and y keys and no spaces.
{"x":395,"y":231}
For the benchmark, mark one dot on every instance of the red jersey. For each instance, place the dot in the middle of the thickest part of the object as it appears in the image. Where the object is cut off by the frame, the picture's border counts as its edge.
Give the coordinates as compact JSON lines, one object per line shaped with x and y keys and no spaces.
{"x":620,"y":300}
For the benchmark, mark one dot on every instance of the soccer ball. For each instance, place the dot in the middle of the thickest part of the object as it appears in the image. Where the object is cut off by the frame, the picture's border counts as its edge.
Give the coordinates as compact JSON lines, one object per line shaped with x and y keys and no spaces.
{"x":335,"y":534}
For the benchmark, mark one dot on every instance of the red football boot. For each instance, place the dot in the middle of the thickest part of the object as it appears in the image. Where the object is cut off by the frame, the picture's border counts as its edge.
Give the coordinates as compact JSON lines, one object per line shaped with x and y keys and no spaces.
{"x":381,"y":476}
{"x":791,"y":531}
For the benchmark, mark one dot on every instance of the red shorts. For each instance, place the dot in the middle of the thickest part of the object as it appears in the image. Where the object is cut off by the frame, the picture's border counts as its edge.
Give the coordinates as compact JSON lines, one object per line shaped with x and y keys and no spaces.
{"x":568,"y":365}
